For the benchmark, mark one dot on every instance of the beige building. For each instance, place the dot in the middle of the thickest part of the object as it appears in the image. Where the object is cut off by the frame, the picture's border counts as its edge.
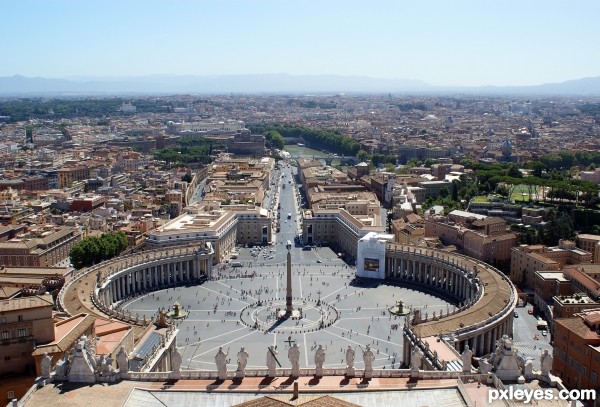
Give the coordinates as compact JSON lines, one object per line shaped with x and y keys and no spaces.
{"x":408,"y":229}
{"x":68,"y":175}
{"x":527,"y":259}
{"x":24,"y":322}
{"x":479,"y":236}
{"x":43,"y":247}
{"x":585,"y":278}
{"x":566,"y":306}
{"x":338,"y":228}
{"x":223,"y":226}
{"x":591,"y":244}
{"x":239,"y":181}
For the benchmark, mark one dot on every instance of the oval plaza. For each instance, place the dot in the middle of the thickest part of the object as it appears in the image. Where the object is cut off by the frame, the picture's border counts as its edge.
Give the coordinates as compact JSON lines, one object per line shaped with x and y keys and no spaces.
{"x":484,"y":300}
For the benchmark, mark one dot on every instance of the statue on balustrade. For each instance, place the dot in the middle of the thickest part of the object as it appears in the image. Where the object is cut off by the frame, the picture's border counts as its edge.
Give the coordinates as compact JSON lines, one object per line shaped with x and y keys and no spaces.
{"x":368,"y":358}
{"x":415,"y":359}
{"x":242,"y":359}
{"x":466,"y":358}
{"x":123,"y":360}
{"x":319,"y":360}
{"x":294,"y":357}
{"x":546,"y":363}
{"x":350,"y":357}
{"x":175,"y":359}
{"x":221,"y":362}
{"x":46,"y":366}
{"x":271,"y":360}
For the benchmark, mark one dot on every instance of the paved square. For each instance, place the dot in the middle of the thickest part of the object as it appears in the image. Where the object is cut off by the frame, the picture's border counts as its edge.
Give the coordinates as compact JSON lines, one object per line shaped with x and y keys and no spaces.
{"x":224,"y":311}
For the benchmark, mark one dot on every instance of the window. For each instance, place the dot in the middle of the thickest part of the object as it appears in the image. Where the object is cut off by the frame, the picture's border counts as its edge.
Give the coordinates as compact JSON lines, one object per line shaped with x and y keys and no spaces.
{"x":5,"y":335}
{"x":22,"y":333}
{"x":6,"y":358}
{"x":2,"y":320}
{"x":20,"y":318}
{"x":594,"y":377}
{"x":10,"y":394}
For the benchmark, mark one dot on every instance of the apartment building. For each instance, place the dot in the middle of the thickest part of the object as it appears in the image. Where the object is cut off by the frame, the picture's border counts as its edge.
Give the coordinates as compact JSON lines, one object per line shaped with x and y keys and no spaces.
{"x":87,"y":203}
{"x":566,"y":306}
{"x":527,"y":259}
{"x":577,"y":350}
{"x":408,"y":229}
{"x":484,"y":238}
{"x":547,"y":284}
{"x":585,"y":278}
{"x":68,"y":175}
{"x":591,"y":244}
{"x":39,"y":247}
{"x":24,"y":322}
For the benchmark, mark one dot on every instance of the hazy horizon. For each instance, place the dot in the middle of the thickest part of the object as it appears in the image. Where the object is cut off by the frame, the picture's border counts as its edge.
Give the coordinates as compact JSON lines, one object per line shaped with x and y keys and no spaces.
{"x":459,"y":43}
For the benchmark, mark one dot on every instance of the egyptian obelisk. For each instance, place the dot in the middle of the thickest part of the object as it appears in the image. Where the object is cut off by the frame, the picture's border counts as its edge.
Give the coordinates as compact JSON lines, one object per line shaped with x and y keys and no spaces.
{"x":288,"y":293}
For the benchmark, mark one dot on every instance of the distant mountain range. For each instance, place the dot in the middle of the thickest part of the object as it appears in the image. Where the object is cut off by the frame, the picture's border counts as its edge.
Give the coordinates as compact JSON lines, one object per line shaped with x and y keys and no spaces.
{"x":269,"y":84}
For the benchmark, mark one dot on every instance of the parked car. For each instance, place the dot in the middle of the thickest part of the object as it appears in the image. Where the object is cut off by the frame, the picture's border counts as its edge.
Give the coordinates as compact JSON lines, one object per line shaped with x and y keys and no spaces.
{"x":516,"y":314}
{"x":544,"y":332}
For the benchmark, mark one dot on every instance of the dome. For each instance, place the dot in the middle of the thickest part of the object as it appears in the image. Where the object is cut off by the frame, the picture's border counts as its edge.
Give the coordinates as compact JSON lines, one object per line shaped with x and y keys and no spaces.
{"x":430,"y":118}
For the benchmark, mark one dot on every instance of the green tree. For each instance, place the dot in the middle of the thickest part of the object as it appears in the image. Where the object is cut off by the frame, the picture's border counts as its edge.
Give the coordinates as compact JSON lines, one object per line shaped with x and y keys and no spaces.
{"x":93,"y":250}
{"x":429,"y":162}
{"x":513,"y":171}
{"x":444,"y":192}
{"x":378,"y":159}
{"x":363,"y":156}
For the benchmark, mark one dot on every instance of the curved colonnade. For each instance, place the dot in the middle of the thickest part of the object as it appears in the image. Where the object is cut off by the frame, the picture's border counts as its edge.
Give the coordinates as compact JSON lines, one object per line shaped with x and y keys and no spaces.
{"x":486,"y":298}
{"x":128,"y":276}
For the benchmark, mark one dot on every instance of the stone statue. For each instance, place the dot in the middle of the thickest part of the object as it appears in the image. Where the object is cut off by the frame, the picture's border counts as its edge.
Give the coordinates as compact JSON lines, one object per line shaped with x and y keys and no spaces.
{"x":350,"y":357}
{"x":415,"y":359}
{"x":106,"y":366}
{"x":466,"y":358}
{"x":271,"y":360}
{"x":294,"y":357}
{"x":319,"y":360}
{"x":99,"y":363}
{"x":61,"y":368}
{"x":175,"y":359}
{"x":546,"y":363}
{"x":368,"y":358}
{"x":242,"y":360}
{"x":123,"y":360}
{"x":506,"y":342}
{"x":221,"y":362}
{"x":46,"y":365}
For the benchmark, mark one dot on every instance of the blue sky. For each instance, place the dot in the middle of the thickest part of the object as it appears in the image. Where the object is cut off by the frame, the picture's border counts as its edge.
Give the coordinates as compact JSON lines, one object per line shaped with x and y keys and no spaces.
{"x":445,"y":42}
